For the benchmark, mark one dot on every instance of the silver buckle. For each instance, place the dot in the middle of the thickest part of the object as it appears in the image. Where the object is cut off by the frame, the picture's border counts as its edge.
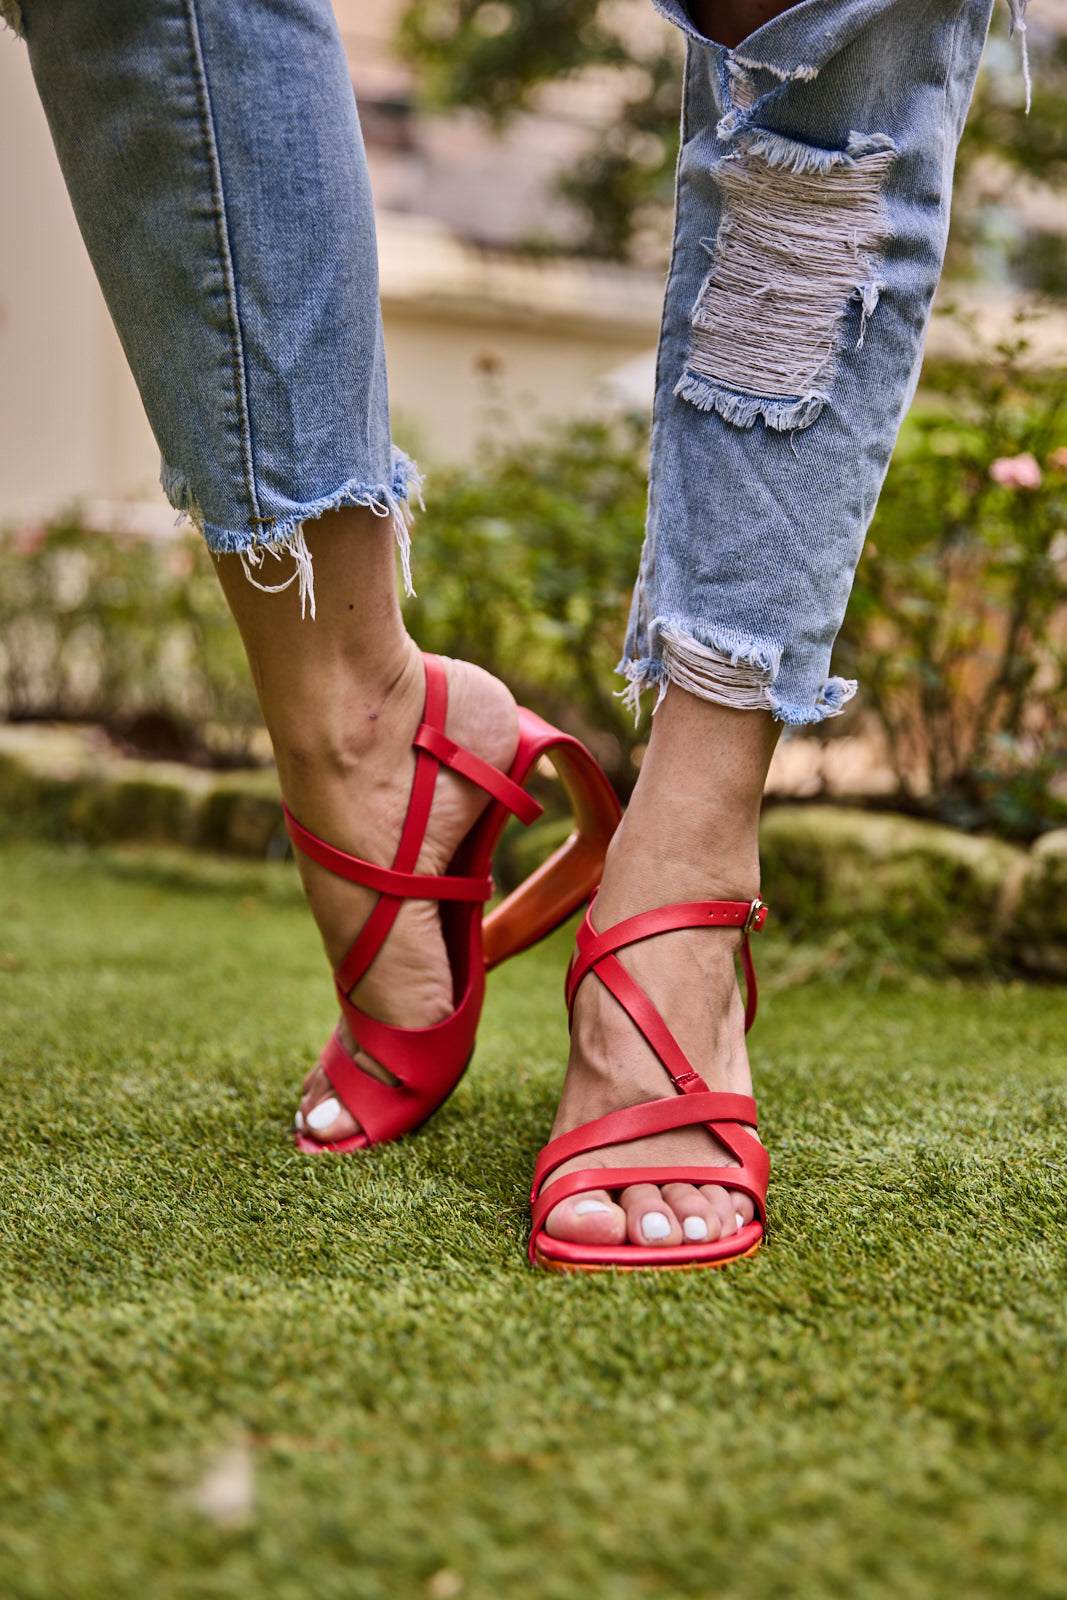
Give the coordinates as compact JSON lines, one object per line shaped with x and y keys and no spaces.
{"x":754,"y":910}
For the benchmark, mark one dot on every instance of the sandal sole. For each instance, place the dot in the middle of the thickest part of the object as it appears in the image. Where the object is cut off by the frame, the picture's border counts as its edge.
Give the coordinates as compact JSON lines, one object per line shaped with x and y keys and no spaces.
{"x":549,"y":1264}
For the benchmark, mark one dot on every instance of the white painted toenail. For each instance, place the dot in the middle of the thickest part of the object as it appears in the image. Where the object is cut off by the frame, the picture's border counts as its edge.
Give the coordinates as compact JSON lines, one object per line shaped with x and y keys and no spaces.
{"x":298,"y":1122}
{"x":322,"y":1115}
{"x":695,"y":1228}
{"x":740,"y":1220}
{"x":654,"y":1225}
{"x":585,"y":1208}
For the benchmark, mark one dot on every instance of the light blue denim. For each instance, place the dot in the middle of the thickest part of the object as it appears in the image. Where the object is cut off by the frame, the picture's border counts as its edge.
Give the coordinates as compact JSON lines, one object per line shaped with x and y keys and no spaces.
{"x":213,"y":154}
{"x":214,"y":158}
{"x":814,"y":182}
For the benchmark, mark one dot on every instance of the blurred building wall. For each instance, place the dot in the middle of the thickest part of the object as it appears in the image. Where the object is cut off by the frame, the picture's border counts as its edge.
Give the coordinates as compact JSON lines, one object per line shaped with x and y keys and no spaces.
{"x":71,"y":423}
{"x":479,"y":341}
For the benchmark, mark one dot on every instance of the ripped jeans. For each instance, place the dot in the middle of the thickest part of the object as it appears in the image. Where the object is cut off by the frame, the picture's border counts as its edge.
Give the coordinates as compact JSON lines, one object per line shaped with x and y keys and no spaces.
{"x":814,"y":183}
{"x":213,"y":154}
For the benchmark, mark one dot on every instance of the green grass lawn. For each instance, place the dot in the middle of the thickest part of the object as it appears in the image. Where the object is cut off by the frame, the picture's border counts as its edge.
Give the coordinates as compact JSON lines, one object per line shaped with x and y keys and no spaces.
{"x":873,"y":1408}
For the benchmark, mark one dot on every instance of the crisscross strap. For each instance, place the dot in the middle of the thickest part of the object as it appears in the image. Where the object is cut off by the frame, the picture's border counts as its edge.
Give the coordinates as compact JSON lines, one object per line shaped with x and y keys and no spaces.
{"x":386,"y":880}
{"x":400,"y":881}
{"x":722,"y":1114}
{"x":597,"y":950}
{"x":475,"y":770}
{"x":729,"y":1117}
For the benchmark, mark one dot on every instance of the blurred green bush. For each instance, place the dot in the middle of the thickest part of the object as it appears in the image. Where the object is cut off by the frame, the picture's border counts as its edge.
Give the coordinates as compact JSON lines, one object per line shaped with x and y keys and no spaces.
{"x":133,"y":634}
{"x":957,"y":628}
{"x":524,"y":563}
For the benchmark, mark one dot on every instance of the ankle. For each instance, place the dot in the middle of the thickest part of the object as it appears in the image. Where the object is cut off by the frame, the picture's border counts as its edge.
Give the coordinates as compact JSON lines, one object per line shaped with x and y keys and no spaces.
{"x":646,"y":868}
{"x":348,"y":723}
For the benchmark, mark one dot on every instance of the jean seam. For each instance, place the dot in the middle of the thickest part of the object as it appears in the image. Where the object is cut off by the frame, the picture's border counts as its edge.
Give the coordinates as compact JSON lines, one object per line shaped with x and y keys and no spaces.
{"x":218,"y":197}
{"x":657,"y":385}
{"x":684,"y":130}
{"x":950,"y":70}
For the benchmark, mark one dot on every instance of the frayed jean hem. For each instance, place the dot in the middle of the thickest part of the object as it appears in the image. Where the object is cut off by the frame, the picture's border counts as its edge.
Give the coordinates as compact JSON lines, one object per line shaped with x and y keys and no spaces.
{"x":730,"y":670}
{"x":282,"y":537}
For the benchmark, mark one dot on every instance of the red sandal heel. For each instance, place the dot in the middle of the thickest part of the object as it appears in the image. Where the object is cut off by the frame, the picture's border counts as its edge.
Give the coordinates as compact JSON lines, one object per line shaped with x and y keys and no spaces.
{"x":427,"y":1063}
{"x":570,"y":875}
{"x":727,"y":1116}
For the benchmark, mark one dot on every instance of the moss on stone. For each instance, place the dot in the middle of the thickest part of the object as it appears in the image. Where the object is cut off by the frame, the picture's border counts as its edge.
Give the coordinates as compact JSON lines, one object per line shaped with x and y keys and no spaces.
{"x":894,"y":882}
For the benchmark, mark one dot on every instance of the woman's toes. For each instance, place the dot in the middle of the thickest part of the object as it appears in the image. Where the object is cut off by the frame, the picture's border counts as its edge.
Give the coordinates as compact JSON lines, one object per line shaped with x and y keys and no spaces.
{"x":588,"y":1219}
{"x":324,"y":1115}
{"x":699,"y":1221}
{"x":744,"y":1208}
{"x":327,"y":1120}
{"x":649,"y":1219}
{"x":724,"y":1207}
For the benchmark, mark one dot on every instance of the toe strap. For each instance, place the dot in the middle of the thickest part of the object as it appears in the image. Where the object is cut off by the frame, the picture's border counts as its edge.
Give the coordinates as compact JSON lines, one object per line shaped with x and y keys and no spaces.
{"x":724,"y":1115}
{"x":625,"y":1177}
{"x":655,"y":1116}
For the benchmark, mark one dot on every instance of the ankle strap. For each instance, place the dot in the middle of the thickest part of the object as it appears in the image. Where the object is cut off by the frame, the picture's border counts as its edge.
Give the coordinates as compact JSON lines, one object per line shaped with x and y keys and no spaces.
{"x":749,"y":915}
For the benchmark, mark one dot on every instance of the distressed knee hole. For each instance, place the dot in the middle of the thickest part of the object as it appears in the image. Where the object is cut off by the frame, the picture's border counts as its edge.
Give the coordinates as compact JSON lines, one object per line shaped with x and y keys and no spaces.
{"x":799,"y":239}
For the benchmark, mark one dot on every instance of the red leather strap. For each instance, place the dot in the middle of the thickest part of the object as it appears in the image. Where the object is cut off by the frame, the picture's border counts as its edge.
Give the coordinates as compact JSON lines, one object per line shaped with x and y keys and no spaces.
{"x":594,"y":947}
{"x":400,"y":881}
{"x":386,"y":880}
{"x":435,"y":708}
{"x":378,"y":925}
{"x":475,"y":770}
{"x":722,"y":1114}
{"x":751,"y":991}
{"x":641,"y":1122}
{"x":623,"y":1177}
{"x":614,"y":976}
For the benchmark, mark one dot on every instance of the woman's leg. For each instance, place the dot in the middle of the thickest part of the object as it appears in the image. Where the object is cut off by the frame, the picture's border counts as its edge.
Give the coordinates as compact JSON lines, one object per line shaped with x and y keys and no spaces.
{"x":814,"y":183}
{"x":342,"y":697}
{"x":214,"y":158}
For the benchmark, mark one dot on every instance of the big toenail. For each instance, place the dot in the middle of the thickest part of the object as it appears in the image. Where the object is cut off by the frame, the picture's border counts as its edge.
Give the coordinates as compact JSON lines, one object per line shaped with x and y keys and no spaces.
{"x":298,"y":1122}
{"x":585,"y":1207}
{"x":654,"y":1225}
{"x":695,"y":1228}
{"x":322,"y":1115}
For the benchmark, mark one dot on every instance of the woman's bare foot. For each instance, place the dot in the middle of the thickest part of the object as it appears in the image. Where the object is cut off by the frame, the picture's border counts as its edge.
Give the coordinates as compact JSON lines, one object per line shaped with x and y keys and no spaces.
{"x":691,"y":834}
{"x":360,"y":805}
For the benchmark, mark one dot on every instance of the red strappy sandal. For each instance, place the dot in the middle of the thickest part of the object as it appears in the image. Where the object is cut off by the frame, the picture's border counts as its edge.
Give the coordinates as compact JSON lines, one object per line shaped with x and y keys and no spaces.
{"x":429,"y":1062}
{"x":722,"y":1114}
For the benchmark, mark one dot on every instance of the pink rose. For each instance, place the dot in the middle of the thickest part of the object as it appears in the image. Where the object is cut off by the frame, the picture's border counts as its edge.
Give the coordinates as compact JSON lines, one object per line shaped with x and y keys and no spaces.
{"x":1016,"y":472}
{"x":29,"y":539}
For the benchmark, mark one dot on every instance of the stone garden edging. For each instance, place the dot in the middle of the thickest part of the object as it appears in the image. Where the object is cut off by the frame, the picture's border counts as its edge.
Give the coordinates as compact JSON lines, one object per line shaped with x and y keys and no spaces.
{"x":959,"y":900}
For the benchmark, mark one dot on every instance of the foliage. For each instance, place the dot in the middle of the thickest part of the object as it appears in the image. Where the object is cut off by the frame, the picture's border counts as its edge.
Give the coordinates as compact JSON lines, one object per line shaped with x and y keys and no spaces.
{"x":494,"y":55}
{"x":525,"y":564}
{"x":957,"y":627}
{"x":1003,"y":143}
{"x":97,"y":627}
{"x":1035,"y":141}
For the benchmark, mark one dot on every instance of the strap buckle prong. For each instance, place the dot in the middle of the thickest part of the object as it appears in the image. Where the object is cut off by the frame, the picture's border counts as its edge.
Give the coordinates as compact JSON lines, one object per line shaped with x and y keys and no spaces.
{"x":754,"y":910}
